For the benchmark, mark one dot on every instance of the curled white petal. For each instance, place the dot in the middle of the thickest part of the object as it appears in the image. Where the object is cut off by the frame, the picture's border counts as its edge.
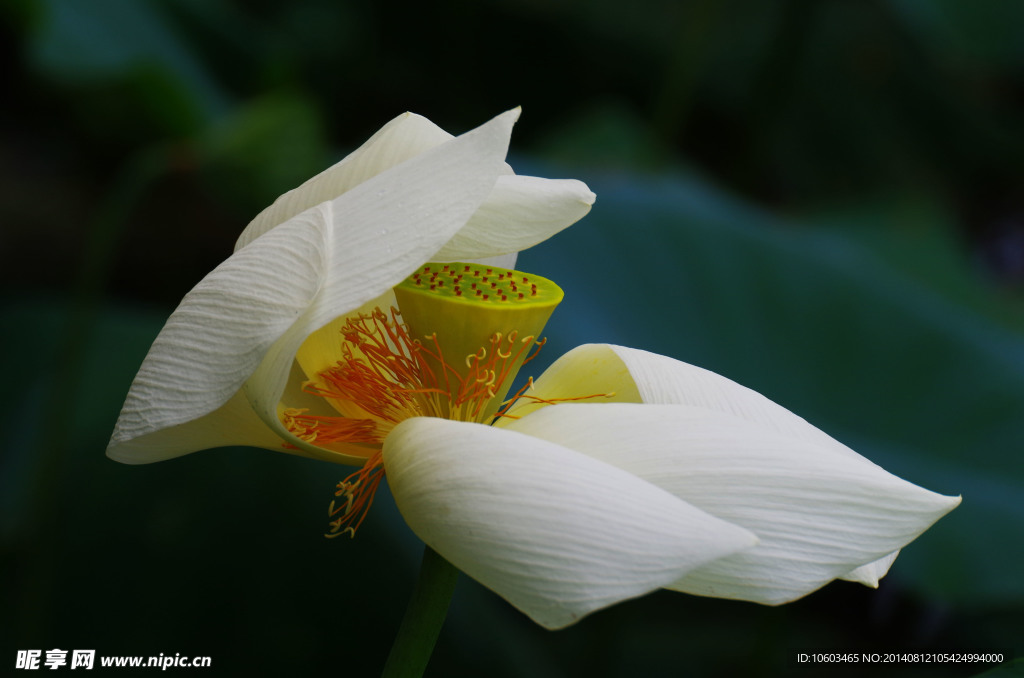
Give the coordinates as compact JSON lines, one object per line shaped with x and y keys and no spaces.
{"x":870,"y":574}
{"x":403,"y":138}
{"x":667,"y":381}
{"x":519,"y":213}
{"x":222,"y":329}
{"x":554,"y":532}
{"x":633,"y":375}
{"x":245,"y":321}
{"x":234,"y":423}
{"x":819,"y":513}
{"x":639,"y":376}
{"x":397,"y":220}
{"x":588,"y":370}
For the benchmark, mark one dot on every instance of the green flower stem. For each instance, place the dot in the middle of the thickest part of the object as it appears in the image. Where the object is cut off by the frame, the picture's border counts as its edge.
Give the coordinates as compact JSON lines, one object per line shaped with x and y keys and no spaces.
{"x":423,"y":618}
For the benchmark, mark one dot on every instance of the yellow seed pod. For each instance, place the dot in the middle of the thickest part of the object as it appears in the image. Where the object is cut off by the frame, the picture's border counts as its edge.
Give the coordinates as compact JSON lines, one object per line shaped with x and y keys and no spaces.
{"x":478,"y":324}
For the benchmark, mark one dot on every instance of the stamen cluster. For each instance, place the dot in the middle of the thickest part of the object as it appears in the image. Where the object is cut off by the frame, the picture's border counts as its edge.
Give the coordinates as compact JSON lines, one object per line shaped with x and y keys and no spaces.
{"x":386,"y":376}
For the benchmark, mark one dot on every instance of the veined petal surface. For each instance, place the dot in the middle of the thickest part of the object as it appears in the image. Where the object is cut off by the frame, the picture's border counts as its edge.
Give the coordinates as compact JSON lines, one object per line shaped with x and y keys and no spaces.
{"x":554,"y":532}
{"x":819,"y":513}
{"x":639,"y":376}
{"x":393,"y":223}
{"x":870,"y":574}
{"x":234,"y":423}
{"x":519,"y":213}
{"x":220,"y":331}
{"x":403,"y":138}
{"x":246,"y":319}
{"x":664,"y":380}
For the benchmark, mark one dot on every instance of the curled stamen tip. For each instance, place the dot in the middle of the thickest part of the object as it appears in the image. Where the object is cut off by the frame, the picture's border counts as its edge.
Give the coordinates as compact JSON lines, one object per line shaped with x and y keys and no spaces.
{"x":335,"y":532}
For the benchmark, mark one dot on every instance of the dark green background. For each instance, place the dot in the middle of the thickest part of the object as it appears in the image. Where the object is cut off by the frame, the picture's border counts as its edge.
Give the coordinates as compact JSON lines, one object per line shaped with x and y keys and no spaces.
{"x":819,"y":199}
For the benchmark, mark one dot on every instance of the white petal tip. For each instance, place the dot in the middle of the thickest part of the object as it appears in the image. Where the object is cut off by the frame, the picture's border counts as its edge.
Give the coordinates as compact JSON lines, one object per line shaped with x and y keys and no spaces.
{"x":941,"y":505}
{"x":131,"y":454}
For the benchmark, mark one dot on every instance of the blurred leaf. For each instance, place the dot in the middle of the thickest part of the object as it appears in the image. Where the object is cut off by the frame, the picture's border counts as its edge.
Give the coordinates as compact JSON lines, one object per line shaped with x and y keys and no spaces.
{"x":967,"y":33}
{"x":133,"y":42}
{"x":1012,"y":669}
{"x":931,"y":389}
{"x":604,"y":137}
{"x":35,"y":327}
{"x":917,"y":234}
{"x":264,"y":148}
{"x":232,"y":536}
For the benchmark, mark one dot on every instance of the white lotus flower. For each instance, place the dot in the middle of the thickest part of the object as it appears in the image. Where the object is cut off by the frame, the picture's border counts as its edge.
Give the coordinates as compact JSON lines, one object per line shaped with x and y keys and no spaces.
{"x":617,"y":473}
